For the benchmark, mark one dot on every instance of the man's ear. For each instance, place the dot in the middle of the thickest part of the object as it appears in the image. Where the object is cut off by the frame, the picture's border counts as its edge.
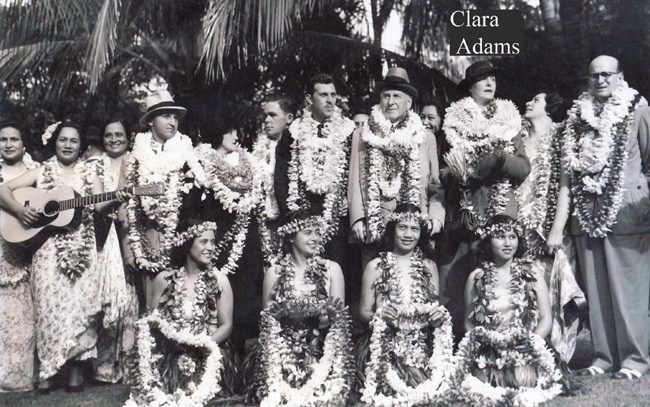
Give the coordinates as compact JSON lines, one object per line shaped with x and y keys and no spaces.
{"x":290,"y":118}
{"x":410,"y":102}
{"x":308,"y":99}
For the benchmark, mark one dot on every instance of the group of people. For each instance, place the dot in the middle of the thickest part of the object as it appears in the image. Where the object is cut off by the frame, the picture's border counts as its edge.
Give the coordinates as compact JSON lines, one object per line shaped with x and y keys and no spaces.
{"x":451,"y":238}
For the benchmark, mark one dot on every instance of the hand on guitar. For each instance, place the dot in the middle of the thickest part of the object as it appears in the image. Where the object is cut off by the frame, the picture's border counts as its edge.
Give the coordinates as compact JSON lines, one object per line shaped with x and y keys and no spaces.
{"x":28,"y":216}
{"x":124,"y":195}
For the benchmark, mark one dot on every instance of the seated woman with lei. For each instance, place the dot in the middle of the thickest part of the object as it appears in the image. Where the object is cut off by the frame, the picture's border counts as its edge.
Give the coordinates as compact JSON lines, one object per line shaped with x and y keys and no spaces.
{"x":304,"y":352}
{"x":181,"y":354}
{"x":503,"y":358}
{"x":411,"y":345}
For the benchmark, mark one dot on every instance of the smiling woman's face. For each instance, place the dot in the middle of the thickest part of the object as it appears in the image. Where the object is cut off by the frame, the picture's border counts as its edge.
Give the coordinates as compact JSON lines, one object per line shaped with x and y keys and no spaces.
{"x":115,"y":139}
{"x":68,"y":145}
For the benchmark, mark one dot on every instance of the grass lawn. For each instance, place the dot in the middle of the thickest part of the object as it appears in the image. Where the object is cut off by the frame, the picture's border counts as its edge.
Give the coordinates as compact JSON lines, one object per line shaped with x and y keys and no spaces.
{"x":594,"y":392}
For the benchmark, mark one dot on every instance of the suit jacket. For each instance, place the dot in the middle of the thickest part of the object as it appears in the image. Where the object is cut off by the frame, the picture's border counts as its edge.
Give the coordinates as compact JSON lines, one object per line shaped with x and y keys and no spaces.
{"x":634,"y":215}
{"x":431,"y":191}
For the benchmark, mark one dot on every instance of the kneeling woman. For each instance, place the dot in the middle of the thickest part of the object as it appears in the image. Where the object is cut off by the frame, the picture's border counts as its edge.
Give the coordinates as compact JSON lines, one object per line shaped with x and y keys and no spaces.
{"x":411,"y":345}
{"x":503,"y":357}
{"x":305,"y":354}
{"x":178,"y":354}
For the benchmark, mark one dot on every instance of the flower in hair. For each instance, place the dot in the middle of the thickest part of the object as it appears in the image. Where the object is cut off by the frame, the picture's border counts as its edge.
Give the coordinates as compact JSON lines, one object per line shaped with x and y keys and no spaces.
{"x":297,"y":225}
{"x":48,"y":132}
{"x":407,"y":217}
{"x":499,"y":229}
{"x":193,"y":232}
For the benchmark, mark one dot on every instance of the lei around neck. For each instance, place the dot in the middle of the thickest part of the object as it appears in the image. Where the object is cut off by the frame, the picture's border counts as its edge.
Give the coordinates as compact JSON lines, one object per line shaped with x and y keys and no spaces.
{"x":74,"y":250}
{"x":595,"y":152}
{"x":392,"y":168}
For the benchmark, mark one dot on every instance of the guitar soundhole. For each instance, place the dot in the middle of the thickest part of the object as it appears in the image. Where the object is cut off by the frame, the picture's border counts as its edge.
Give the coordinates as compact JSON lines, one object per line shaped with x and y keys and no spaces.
{"x":51,"y":208}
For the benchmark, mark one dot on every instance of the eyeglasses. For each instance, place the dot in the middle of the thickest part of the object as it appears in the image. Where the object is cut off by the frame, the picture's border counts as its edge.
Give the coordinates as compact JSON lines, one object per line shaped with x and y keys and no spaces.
{"x":596,"y":75}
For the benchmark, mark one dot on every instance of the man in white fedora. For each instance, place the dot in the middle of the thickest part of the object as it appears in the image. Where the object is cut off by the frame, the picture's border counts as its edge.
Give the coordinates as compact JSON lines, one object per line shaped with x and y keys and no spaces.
{"x":395,"y":149}
{"x":164,"y":156}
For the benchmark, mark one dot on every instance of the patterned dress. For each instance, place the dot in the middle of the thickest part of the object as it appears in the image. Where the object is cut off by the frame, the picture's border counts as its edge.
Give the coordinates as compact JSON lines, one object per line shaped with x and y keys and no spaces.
{"x":66,"y":302}
{"x":17,"y":340}
{"x":116,"y":335}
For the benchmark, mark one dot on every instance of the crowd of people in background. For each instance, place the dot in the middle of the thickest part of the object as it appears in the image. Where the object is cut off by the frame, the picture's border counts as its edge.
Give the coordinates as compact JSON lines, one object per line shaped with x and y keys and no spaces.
{"x":389,"y":258}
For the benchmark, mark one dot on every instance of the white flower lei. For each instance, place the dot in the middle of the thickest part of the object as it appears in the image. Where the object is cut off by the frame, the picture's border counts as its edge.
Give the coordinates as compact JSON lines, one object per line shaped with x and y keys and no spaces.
{"x":147,"y":167}
{"x":471,"y":135}
{"x":319,"y":165}
{"x":407,"y":343}
{"x":532,"y":214}
{"x":595,"y":152}
{"x":329,"y":381}
{"x":264,"y":163}
{"x":232,"y":201}
{"x":491,"y":330}
{"x":236,"y":238}
{"x":148,"y":389}
{"x":206,"y":289}
{"x":393,"y":164}
{"x":73,"y":249}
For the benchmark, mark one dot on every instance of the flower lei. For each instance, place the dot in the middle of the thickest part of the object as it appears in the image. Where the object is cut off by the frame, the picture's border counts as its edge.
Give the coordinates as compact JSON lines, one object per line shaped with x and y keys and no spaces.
{"x":595,"y":152}
{"x":283,"y":379}
{"x":297,"y":225}
{"x":207,"y":292}
{"x":73,"y":249}
{"x":193,"y":232}
{"x":393,"y":164}
{"x":499,"y":340}
{"x":319,"y":165}
{"x":383,"y":384}
{"x":147,"y":167}
{"x":544,"y":181}
{"x":148,"y":389}
{"x":235,"y":238}
{"x":232,"y":185}
{"x":472,"y":135}
{"x":264,"y":163}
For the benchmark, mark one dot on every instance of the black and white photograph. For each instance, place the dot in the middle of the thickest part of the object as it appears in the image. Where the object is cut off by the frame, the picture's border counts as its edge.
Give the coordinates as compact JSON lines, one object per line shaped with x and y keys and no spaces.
{"x":324,"y":203}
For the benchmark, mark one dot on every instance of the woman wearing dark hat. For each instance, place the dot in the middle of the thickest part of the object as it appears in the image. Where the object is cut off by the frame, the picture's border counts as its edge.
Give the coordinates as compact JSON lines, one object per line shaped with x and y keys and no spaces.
{"x":485,"y":163}
{"x":305,"y":353}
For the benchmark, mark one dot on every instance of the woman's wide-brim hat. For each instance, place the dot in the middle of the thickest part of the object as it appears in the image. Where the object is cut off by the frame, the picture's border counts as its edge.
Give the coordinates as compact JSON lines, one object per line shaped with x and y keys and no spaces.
{"x":158,"y":102}
{"x":476,"y":72}
{"x":397,"y":79}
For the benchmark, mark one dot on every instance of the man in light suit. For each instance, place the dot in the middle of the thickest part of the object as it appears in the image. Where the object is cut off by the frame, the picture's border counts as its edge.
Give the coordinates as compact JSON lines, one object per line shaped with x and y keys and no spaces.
{"x":394,"y":131}
{"x":607,"y":148}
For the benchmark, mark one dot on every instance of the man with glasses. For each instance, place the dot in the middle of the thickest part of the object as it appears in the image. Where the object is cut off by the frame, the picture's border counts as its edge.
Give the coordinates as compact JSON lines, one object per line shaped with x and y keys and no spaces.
{"x":607,"y":156}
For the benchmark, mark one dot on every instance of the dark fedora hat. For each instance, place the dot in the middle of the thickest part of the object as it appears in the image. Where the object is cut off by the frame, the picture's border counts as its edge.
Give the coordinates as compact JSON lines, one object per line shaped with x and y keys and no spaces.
{"x":396,"y":78}
{"x":158,"y":102}
{"x":476,"y":72}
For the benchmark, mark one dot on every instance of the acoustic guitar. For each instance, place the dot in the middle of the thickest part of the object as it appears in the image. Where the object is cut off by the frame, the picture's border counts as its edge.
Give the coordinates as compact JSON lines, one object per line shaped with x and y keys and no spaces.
{"x":60,"y":209}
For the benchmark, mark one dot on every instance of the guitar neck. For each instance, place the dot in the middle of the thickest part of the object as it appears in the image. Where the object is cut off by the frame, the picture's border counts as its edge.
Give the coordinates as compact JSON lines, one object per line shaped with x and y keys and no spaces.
{"x":88,"y":200}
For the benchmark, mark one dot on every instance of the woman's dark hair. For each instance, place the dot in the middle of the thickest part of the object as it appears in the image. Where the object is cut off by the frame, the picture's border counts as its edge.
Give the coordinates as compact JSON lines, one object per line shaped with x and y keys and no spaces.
{"x":50,"y":146}
{"x":213,"y":131}
{"x":387,"y":242}
{"x":16,"y":123}
{"x":556,"y":107}
{"x":178,"y":254}
{"x":484,"y":250}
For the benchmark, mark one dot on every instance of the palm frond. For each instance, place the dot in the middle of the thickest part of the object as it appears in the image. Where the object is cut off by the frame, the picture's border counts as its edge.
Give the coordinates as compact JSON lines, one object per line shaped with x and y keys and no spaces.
{"x":102,"y":42}
{"x":242,"y":26}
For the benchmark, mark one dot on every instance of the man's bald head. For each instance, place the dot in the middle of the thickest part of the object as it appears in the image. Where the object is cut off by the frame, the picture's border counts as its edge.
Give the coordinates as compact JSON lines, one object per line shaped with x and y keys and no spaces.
{"x":604,"y":77}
